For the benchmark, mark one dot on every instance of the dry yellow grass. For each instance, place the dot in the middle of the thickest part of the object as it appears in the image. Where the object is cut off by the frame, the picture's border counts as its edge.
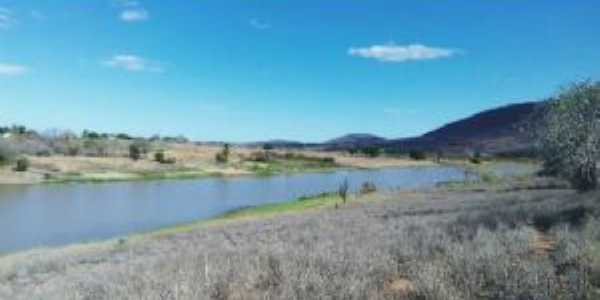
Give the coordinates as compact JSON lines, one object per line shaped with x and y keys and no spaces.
{"x":198,"y":159}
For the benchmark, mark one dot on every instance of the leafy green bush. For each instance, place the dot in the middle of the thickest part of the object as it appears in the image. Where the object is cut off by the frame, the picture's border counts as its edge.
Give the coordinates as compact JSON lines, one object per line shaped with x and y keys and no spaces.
{"x":22,"y":164}
{"x":159,"y":156}
{"x":417,"y":154}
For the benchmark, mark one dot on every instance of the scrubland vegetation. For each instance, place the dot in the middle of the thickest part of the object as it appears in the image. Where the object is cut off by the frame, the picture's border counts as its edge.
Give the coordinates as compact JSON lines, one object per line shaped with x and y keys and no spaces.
{"x":525,"y":244}
{"x":64,"y":156}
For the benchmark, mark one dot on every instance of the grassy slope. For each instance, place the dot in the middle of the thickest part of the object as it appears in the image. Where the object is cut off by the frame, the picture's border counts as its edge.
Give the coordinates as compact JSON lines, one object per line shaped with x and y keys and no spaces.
{"x":443,"y":233}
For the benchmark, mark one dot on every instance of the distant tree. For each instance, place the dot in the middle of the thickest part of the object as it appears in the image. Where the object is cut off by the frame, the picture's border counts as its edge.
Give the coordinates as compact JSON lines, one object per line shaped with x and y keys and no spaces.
{"x":18,"y":129}
{"x":154,"y":138}
{"x":568,"y":134}
{"x":137,"y":149}
{"x":7,"y":153}
{"x":223,"y":156}
{"x":88,"y":134}
{"x":439,"y":155}
{"x":343,"y":190}
{"x":371,"y":151}
{"x":417,"y":154}
{"x":124,"y":136}
{"x":476,"y":158}
{"x":135,"y":152}
{"x":159,"y":156}
{"x":268,"y":147}
{"x":22,"y":164}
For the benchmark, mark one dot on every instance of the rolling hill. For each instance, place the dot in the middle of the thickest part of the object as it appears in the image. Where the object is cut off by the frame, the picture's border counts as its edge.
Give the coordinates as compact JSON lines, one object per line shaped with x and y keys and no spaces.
{"x":497,"y":130}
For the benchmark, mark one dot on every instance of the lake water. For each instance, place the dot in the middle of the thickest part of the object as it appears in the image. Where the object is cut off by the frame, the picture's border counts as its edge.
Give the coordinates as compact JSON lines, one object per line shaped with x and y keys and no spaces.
{"x":51,"y":215}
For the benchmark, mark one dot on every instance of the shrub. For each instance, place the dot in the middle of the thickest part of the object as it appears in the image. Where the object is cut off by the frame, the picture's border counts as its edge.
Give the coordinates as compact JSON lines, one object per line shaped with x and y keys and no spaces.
{"x":368,"y":187}
{"x":137,"y":149}
{"x":328,"y":160}
{"x":343,"y":190}
{"x":124,"y":136}
{"x":159,"y":156}
{"x":262,"y":156}
{"x":371,"y":151}
{"x":417,"y":154}
{"x":44,"y":153}
{"x":22,"y":164}
{"x":567,"y":135}
{"x":135,"y":153}
{"x":223,"y":156}
{"x":7,"y":154}
{"x":73,"y":150}
{"x":476,"y":158}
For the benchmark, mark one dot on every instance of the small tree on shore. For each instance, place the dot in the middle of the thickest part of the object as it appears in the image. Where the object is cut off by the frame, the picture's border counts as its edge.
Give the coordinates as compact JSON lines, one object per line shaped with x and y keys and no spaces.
{"x":22,"y":164}
{"x":343,"y":190}
{"x":135,"y":152}
{"x":568,"y":134}
{"x":223,"y":156}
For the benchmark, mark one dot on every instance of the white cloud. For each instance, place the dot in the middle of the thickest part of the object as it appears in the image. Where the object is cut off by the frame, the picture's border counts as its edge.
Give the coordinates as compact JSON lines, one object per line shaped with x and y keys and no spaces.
{"x":133,"y":63}
{"x":12,"y":70}
{"x":401,"y":53}
{"x":258,"y":24}
{"x":132,"y":11}
{"x":134,"y":15}
{"x":6,"y":18}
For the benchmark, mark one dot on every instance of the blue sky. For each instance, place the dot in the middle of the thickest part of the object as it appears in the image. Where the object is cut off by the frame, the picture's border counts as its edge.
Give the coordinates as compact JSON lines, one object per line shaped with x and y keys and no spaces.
{"x":304,"y":70}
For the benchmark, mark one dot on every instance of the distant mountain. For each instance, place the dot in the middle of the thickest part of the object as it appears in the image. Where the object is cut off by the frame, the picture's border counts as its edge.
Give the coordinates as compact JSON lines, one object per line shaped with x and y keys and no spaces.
{"x":357,"y":140}
{"x":496,"y":130}
{"x":277,"y":143}
{"x":493,"y":123}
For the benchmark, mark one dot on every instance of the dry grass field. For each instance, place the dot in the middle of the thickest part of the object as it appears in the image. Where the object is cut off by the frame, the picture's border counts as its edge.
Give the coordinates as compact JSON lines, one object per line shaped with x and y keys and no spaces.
{"x":526,"y":243}
{"x":190,"y":161}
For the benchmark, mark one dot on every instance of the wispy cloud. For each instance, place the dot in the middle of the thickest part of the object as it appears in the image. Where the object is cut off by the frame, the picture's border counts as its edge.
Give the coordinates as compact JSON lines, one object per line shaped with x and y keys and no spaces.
{"x":6,"y":18}
{"x":133,"y":63}
{"x":392,"y":53}
{"x":134,"y":15}
{"x":259,"y":24}
{"x":12,"y":70}
{"x":132,"y":11}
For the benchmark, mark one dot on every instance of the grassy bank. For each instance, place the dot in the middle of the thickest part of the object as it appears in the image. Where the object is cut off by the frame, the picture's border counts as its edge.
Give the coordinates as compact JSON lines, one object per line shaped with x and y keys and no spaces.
{"x":265,"y":211}
{"x":531,"y":244}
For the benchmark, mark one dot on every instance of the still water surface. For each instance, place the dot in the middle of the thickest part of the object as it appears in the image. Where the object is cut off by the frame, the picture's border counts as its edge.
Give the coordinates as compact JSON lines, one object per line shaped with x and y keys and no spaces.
{"x":51,"y":215}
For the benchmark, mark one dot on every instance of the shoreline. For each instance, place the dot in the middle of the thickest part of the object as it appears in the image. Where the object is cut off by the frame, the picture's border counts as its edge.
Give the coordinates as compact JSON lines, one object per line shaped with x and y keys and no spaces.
{"x":265,"y":211}
{"x":37,"y":176}
{"x":304,"y":204}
